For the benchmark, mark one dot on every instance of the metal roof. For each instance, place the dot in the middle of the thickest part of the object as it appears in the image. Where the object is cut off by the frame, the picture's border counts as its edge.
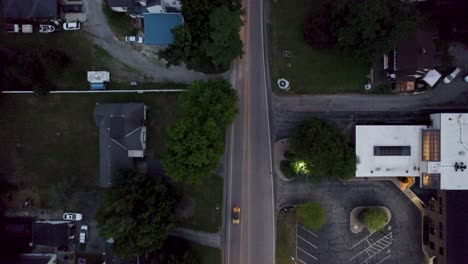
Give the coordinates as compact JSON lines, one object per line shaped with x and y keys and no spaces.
{"x":158,"y":27}
{"x":24,"y":9}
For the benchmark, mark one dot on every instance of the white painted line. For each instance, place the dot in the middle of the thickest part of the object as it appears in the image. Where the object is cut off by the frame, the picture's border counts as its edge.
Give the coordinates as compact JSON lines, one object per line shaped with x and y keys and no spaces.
{"x":307,"y":253}
{"x":300,"y":261}
{"x":269,"y":132}
{"x":358,"y":254}
{"x":384,"y":259}
{"x":305,"y":241}
{"x":308,"y":231}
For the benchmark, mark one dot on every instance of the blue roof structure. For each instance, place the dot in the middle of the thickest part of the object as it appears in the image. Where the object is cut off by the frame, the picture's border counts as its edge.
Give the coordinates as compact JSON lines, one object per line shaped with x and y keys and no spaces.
{"x":158,"y":27}
{"x":98,"y":86}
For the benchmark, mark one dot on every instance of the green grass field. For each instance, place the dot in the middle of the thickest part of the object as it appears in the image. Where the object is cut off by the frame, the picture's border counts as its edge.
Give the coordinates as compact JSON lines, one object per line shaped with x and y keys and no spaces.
{"x":309,"y":71}
{"x":285,"y":237}
{"x":207,"y":199}
{"x":50,"y":143}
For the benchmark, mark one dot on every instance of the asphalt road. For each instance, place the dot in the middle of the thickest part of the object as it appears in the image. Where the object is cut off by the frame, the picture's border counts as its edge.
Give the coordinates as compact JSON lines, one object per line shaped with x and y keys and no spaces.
{"x":249,"y":181}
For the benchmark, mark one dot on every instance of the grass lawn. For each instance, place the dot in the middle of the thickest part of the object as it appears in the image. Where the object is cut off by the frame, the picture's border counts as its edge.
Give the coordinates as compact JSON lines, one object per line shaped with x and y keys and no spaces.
{"x":120,"y":23}
{"x":285,"y":237}
{"x":203,"y":200}
{"x":309,"y":71}
{"x":207,"y":255}
{"x":83,"y":54}
{"x":50,"y":143}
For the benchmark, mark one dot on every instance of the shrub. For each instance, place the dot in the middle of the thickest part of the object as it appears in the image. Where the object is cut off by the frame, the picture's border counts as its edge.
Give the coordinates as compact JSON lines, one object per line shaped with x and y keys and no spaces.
{"x":374,"y":218}
{"x":311,"y":215}
{"x":317,"y":28}
{"x":287,"y":170}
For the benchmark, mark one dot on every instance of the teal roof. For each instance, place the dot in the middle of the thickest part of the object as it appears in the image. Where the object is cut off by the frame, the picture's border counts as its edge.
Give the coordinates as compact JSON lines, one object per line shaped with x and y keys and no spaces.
{"x":158,"y":27}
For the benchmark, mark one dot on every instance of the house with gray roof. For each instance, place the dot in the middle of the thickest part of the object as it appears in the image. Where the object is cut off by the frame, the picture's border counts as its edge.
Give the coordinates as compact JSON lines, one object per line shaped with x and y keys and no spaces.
{"x":122,"y":138}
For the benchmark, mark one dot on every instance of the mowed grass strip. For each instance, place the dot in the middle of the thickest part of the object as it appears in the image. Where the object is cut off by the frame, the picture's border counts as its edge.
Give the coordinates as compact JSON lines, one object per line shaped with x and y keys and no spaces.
{"x":309,"y":71}
{"x":51,"y":140}
{"x":285,"y":237}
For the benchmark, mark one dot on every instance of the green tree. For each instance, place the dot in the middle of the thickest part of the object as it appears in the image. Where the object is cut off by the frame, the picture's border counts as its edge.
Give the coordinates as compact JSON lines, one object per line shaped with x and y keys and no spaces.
{"x":192,"y":39}
{"x":195,"y":142}
{"x":224,"y":44}
{"x":370,"y":28}
{"x":311,"y":215}
{"x":321,"y":151}
{"x":374,"y":218}
{"x":137,"y":214}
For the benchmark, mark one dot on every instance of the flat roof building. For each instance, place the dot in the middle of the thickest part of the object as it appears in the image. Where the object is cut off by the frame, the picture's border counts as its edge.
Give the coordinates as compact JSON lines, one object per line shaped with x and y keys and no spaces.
{"x":437,"y":153}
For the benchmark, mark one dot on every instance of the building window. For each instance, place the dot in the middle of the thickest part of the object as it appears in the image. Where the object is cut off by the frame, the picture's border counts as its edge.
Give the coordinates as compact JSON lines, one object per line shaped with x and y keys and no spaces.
{"x":431,"y":145}
{"x":432,"y":245}
{"x":441,"y":251}
{"x":432,"y":230}
{"x":441,"y":231}
{"x":392,"y":151}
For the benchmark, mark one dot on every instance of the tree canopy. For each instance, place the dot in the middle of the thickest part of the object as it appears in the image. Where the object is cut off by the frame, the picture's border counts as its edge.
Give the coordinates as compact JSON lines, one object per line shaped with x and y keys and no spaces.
{"x":374,"y":218}
{"x":209,"y":40}
{"x":195,"y":143}
{"x":311,"y":215}
{"x":371,"y":28}
{"x":321,"y":151}
{"x":137,"y":214}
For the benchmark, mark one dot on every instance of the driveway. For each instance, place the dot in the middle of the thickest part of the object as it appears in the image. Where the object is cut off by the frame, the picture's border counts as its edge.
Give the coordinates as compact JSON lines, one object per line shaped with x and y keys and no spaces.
{"x":399,"y":242}
{"x":102,"y":36}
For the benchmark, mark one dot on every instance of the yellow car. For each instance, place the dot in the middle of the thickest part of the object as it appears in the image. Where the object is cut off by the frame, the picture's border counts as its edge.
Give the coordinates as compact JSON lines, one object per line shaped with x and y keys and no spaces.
{"x":236,"y":215}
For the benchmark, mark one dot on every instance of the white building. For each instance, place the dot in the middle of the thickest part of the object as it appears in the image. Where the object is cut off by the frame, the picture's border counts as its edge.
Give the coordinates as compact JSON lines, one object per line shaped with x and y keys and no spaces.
{"x":437,"y":153}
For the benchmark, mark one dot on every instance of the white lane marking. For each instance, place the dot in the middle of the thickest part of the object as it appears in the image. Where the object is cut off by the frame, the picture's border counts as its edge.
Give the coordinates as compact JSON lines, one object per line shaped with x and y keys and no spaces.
{"x":308,"y":230}
{"x":307,"y":253}
{"x":384,"y":259}
{"x":306,"y":241}
{"x":300,"y":260}
{"x":371,"y":251}
{"x":269,"y":133}
{"x":362,"y":240}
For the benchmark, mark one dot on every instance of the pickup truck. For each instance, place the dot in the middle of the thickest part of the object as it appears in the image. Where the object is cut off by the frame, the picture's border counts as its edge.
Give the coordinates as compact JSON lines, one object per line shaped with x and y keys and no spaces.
{"x":16,"y":28}
{"x":83,"y":234}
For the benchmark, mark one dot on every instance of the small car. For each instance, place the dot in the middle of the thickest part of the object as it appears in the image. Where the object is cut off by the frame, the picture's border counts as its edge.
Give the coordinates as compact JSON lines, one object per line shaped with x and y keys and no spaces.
{"x":72,"y":216}
{"x":71,"y":25}
{"x":83,"y":234}
{"x":236,"y":215}
{"x":46,"y":28}
{"x":134,"y":39}
{"x":449,"y":78}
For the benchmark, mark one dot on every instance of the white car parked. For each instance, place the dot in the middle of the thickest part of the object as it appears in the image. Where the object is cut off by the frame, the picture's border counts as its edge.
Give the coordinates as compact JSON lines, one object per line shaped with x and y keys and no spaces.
{"x":449,"y":78}
{"x":134,"y":39}
{"x":83,"y":234}
{"x":71,"y":25}
{"x":72,"y":216}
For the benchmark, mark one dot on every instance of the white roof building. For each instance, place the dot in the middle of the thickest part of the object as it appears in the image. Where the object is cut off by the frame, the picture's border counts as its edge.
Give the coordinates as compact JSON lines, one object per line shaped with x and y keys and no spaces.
{"x":438,"y":153}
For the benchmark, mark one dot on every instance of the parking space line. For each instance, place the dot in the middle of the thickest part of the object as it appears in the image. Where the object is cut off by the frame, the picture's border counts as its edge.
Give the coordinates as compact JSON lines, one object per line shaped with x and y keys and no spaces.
{"x":361,"y":241}
{"x":300,"y":261}
{"x":308,"y":231}
{"x":382,"y":260}
{"x":307,"y":253}
{"x":306,"y":241}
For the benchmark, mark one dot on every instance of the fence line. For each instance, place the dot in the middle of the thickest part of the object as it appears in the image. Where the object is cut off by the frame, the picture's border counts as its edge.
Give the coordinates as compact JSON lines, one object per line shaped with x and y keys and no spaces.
{"x":102,"y":91}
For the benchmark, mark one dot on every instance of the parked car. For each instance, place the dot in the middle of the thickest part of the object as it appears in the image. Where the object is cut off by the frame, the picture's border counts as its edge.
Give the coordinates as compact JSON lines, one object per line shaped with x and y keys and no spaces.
{"x":134,"y":39}
{"x":236,"y":215}
{"x":72,"y":216}
{"x":449,"y":78}
{"x":12,"y":28}
{"x":27,"y":28}
{"x":46,"y":28}
{"x":71,"y":25}
{"x":83,"y":234}
{"x":466,"y":78}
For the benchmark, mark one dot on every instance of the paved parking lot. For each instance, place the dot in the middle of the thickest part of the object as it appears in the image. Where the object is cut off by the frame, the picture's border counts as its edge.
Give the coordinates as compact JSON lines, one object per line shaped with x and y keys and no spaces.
{"x":398,"y":242}
{"x":306,"y":248}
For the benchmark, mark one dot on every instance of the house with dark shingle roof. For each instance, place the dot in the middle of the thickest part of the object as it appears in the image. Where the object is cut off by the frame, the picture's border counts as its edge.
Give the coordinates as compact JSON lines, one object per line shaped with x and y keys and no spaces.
{"x":30,"y":9}
{"x":122,"y":138}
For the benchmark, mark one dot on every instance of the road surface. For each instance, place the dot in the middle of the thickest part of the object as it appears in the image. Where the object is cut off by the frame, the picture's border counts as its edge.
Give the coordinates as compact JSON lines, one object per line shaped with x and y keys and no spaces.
{"x":249,"y":181}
